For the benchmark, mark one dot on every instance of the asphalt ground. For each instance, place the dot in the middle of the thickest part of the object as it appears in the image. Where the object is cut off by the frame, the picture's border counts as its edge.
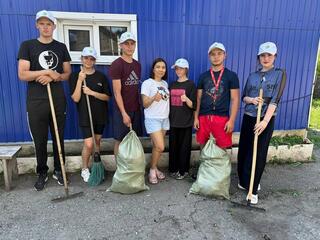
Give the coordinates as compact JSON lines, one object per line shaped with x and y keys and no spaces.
{"x":290,"y":194}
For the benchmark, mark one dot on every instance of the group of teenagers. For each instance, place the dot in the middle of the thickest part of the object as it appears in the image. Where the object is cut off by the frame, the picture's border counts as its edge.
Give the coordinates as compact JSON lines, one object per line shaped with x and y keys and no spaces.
{"x":210,"y":107}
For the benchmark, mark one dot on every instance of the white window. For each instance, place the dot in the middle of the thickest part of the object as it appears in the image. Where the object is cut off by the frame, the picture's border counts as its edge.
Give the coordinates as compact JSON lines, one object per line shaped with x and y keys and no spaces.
{"x":98,"y":30}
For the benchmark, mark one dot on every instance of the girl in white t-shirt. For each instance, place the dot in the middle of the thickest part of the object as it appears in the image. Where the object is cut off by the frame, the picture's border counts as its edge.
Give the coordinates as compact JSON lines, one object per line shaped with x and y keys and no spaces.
{"x":155,"y":97}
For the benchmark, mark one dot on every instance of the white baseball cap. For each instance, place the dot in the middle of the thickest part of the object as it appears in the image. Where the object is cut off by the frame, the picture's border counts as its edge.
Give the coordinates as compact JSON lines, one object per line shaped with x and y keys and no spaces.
{"x":46,"y":14}
{"x":89,"y":51}
{"x":267,"y":47}
{"x":181,"y":62}
{"x":127,"y":36}
{"x":216,"y":45}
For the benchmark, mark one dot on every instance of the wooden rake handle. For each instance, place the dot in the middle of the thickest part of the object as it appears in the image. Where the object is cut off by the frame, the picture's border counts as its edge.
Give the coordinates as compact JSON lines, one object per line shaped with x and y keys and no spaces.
{"x":56,"y":131}
{"x":255,"y":145}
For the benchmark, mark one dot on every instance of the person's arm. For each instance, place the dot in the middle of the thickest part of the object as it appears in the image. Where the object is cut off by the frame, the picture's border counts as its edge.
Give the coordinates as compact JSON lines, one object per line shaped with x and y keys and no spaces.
{"x":100,"y":96}
{"x":61,"y":76}
{"x":116,"y":85}
{"x":187,"y":100}
{"x":76,"y":95}
{"x":25,"y":74}
{"x":196,"y":112}
{"x":66,"y":72}
{"x":259,"y":128}
{"x":147,"y":101}
{"x":235,"y":101}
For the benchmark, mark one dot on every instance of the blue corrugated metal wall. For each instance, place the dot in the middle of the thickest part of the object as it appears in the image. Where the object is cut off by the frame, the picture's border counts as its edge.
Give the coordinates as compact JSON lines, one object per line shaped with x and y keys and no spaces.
{"x":172,"y":29}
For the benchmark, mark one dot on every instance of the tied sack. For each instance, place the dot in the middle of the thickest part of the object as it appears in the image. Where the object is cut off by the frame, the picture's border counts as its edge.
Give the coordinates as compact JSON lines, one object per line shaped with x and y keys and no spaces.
{"x":129,"y":176}
{"x":213,"y":177}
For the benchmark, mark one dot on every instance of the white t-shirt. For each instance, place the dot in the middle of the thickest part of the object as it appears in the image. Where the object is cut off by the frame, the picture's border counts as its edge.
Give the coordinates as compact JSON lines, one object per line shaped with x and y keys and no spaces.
{"x":157,"y":109}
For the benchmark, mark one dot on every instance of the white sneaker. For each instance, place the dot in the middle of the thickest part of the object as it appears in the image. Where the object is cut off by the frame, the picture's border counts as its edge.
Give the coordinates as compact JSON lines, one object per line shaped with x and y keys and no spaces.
{"x":254,"y":199}
{"x":240,"y":187}
{"x":85,"y":174}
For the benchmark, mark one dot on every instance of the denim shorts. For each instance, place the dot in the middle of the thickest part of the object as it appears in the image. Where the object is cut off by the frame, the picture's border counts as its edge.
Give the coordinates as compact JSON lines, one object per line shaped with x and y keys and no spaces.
{"x":156,"y":124}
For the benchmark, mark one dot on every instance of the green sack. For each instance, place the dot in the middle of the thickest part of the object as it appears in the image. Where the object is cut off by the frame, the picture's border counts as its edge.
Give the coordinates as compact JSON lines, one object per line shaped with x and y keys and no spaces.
{"x":129,"y":176}
{"x":213,"y":177}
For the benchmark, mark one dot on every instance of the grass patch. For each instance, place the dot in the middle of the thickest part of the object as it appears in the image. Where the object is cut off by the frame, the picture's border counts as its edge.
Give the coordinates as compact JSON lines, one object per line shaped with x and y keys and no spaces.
{"x":314,"y":137}
{"x":315,"y":114}
{"x":286,"y":140}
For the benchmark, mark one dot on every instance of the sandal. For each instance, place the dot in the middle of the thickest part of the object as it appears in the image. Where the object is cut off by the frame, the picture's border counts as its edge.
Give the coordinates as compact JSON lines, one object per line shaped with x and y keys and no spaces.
{"x":153,"y":177}
{"x":160,"y":175}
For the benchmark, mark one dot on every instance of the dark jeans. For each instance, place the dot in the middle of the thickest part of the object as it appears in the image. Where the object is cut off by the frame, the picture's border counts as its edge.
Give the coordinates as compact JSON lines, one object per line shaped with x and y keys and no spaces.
{"x":40,"y":119}
{"x":245,"y":152}
{"x":180,"y":140}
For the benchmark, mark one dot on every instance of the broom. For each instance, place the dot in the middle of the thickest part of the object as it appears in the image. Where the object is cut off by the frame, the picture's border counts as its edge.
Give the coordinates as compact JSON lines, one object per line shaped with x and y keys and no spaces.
{"x":97,"y":168}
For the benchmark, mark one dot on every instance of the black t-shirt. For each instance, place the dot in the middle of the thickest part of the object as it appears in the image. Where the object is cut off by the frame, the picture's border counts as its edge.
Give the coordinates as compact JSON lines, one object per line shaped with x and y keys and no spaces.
{"x":221,"y":106}
{"x":99,"y":109}
{"x":180,"y":114}
{"x":44,"y":56}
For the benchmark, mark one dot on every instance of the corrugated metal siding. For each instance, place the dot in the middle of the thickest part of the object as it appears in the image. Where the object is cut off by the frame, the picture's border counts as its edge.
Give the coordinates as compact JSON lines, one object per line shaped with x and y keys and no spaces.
{"x":172,"y":29}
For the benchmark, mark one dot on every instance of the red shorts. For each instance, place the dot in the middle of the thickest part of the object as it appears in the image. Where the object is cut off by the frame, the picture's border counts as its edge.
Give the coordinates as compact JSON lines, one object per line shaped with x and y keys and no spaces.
{"x":215,"y":125}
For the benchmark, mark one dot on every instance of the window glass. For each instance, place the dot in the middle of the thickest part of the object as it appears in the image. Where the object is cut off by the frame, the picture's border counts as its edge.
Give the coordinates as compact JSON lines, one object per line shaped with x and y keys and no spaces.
{"x":78,"y":39}
{"x":109,"y":38}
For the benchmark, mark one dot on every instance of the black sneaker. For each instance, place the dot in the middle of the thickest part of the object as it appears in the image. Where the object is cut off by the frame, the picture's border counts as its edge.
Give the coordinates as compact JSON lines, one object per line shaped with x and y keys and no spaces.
{"x":41,"y":182}
{"x":57,"y":175}
{"x":180,"y":176}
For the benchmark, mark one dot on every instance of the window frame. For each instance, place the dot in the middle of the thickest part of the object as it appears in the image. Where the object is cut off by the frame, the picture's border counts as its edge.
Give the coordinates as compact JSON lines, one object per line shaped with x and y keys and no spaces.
{"x":94,"y":20}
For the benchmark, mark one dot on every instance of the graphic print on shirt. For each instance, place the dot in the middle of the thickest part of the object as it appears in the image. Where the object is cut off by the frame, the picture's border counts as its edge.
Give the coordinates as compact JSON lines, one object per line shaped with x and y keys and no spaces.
{"x":176,"y":97}
{"x":164,"y":93}
{"x":215,"y":95}
{"x":132,"y":79}
{"x":48,"y":60}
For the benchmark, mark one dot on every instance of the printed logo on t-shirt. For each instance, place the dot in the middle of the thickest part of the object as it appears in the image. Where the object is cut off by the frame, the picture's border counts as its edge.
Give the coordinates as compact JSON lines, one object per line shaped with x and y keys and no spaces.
{"x":99,"y":84}
{"x":48,"y":60}
{"x":176,"y":97}
{"x":132,"y":79}
{"x":215,"y":94}
{"x":164,"y":93}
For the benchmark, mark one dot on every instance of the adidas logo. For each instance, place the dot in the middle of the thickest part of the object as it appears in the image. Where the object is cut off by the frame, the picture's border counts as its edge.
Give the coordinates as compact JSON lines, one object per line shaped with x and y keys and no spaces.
{"x":132,"y":79}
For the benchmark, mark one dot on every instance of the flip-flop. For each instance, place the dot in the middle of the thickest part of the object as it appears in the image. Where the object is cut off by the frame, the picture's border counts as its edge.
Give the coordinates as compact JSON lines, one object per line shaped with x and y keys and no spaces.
{"x":153,"y":178}
{"x":160,"y":175}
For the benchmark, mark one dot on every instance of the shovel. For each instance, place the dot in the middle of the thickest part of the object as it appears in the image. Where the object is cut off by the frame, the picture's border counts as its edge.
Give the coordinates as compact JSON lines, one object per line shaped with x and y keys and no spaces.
{"x":66,"y":189}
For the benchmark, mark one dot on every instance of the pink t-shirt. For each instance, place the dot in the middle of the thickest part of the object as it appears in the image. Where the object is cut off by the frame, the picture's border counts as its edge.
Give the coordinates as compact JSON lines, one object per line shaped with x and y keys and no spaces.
{"x":129,"y":74}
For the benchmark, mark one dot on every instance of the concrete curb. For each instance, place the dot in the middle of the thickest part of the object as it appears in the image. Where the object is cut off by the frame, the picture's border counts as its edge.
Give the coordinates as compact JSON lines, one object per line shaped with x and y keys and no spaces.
{"x":296,"y":153}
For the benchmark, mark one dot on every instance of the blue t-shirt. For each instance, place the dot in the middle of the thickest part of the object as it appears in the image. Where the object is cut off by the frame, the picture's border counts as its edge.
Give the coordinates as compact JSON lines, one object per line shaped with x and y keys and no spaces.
{"x":272,"y":82}
{"x":221,"y":106}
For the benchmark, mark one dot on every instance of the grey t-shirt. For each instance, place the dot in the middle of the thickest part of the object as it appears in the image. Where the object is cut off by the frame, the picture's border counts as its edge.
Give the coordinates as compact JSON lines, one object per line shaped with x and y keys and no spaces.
{"x":272,"y":82}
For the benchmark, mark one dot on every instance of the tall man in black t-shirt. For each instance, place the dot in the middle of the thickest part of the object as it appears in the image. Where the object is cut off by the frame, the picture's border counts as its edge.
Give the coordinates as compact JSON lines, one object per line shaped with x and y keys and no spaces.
{"x":42,"y":61}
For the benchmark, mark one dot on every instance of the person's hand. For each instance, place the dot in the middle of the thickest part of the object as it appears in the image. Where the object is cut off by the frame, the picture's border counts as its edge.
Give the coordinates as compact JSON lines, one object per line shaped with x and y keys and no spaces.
{"x":54,"y":75}
{"x":87,"y":91}
{"x":256,"y":100}
{"x":184,"y":98}
{"x":44,"y":79}
{"x":196,"y":124}
{"x":228,"y":128}
{"x":82,"y":75}
{"x":260,"y":127}
{"x":157,"y":97}
{"x":126,"y":119}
